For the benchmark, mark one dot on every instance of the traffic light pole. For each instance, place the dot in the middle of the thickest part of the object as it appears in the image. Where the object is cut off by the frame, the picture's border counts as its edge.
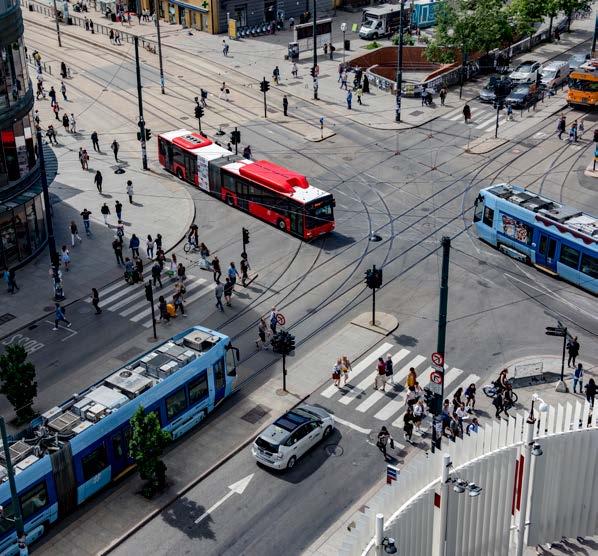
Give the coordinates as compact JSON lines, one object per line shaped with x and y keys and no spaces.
{"x":236,"y":143}
{"x":315,"y":61}
{"x":140,"y":100}
{"x":284,"y":372}
{"x":563,"y":359}
{"x":497,"y":114}
{"x":400,"y":65}
{"x":149,"y":295}
{"x":57,"y":24}
{"x":265,"y":105}
{"x":157,"y":15}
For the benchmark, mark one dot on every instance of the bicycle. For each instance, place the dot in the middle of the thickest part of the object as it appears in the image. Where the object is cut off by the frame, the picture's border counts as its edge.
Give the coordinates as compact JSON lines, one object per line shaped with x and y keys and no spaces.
{"x":190,"y":247}
{"x":491,"y":390}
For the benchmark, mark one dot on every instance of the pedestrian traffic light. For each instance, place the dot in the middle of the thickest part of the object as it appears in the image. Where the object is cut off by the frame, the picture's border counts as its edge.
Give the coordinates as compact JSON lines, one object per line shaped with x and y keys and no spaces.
{"x":139,"y":136}
{"x":264,"y":86}
{"x":199,"y":111}
{"x":235,"y":137}
{"x":148,"y":133}
{"x":149,"y":294}
{"x":245,"y":236}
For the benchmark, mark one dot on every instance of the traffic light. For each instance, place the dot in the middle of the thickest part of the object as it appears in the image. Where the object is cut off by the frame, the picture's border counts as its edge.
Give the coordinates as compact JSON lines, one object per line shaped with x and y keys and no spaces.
{"x":148,"y":133}
{"x":199,"y":111}
{"x":283,"y":342}
{"x":596,"y":136}
{"x":235,"y":138}
{"x":149,"y":294}
{"x":264,"y":85}
{"x":139,"y":136}
{"x":373,"y":278}
{"x":245,"y":236}
{"x":312,"y":71}
{"x":289,"y":343}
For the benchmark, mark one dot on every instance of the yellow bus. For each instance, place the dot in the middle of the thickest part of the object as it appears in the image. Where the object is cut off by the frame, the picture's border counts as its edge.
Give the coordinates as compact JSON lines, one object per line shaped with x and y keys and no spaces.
{"x":583,"y":85}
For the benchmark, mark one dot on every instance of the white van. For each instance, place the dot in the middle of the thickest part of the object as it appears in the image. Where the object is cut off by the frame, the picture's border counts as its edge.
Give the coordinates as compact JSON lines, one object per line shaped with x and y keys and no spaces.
{"x":554,"y":73}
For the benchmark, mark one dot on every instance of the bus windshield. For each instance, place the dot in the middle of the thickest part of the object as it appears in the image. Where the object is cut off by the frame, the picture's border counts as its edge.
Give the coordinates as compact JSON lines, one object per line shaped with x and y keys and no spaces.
{"x":583,"y":85}
{"x":319,"y":212}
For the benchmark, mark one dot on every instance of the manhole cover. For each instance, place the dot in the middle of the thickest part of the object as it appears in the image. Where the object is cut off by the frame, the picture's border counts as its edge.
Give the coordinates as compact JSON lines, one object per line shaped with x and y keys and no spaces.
{"x":255,"y":414}
{"x":183,"y":117}
{"x":416,"y":113}
{"x":334,"y":450}
{"x":6,"y":317}
{"x":119,"y":171}
{"x":129,"y":354}
{"x":348,"y":158}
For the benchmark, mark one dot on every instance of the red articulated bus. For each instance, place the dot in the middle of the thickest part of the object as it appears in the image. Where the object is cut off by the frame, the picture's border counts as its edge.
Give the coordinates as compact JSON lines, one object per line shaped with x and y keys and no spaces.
{"x":270,"y":192}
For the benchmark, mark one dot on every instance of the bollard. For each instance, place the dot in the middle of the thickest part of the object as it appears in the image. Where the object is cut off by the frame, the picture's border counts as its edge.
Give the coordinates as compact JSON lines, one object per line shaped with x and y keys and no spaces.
{"x":379,"y":529}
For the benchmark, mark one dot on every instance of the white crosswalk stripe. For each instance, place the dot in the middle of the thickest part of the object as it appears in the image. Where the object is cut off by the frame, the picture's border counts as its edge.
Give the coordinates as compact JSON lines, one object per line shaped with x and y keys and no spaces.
{"x":483,"y":116}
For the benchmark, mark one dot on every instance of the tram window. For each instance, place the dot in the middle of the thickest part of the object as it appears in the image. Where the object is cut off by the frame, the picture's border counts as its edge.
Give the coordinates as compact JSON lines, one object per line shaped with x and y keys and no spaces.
{"x":589,"y":266}
{"x":8,"y":522}
{"x":94,"y":463}
{"x":488,"y":216}
{"x":219,"y":374}
{"x":33,"y":500}
{"x":117,"y":447}
{"x":198,"y":389}
{"x":479,"y":209}
{"x":569,"y":256}
{"x":175,"y":404}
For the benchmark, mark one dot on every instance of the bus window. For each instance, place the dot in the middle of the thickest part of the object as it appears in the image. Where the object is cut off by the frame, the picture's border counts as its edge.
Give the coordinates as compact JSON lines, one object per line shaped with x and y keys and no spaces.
{"x":488,"y":216}
{"x":33,"y":500}
{"x":318,"y":213}
{"x":569,"y":256}
{"x":94,"y":462}
{"x":589,"y":266}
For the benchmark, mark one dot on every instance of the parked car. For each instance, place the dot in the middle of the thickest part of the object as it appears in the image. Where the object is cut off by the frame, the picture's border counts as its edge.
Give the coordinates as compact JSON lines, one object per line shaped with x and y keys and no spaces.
{"x":526,"y":72}
{"x":523,"y":96}
{"x":554,"y":73}
{"x":494,"y":84}
{"x":577,"y":60}
{"x":291,"y":436}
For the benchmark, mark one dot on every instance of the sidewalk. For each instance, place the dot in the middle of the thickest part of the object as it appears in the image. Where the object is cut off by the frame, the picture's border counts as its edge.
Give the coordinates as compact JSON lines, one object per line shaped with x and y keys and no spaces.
{"x":331,"y":541}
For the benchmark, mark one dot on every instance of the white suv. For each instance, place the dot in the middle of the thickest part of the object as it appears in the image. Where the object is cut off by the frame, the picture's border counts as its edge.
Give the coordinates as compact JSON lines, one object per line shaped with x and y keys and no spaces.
{"x":291,"y":436}
{"x":526,"y":72}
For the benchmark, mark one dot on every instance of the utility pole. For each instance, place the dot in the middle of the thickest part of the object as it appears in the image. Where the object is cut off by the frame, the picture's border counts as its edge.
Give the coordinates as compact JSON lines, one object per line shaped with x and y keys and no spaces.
{"x":58,"y":292}
{"x":560,"y":331}
{"x":315,"y":61}
{"x":343,"y":29}
{"x":265,"y":87}
{"x":149,"y":295}
{"x":283,"y":342}
{"x":464,"y":62}
{"x":140,"y":100}
{"x":498,"y":107}
{"x":400,"y":66}
{"x":157,"y":16}
{"x":57,"y":24}
{"x":16,"y":503}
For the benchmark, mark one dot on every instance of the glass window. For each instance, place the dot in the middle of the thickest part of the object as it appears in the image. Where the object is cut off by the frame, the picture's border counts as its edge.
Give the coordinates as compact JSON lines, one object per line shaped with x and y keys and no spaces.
{"x":229,"y":182}
{"x":219,"y":378}
{"x":479,"y":209}
{"x":488,"y":216}
{"x":8,"y":240}
{"x":198,"y":389}
{"x":117,"y":447}
{"x":21,"y":232}
{"x":33,"y":500}
{"x":569,"y":256}
{"x":589,"y":266}
{"x":176,"y":404}
{"x":41,"y":224}
{"x":94,"y":462}
{"x":34,"y":235}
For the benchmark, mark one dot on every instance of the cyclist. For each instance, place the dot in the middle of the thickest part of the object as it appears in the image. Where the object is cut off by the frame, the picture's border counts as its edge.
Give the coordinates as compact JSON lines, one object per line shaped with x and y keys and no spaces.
{"x":502,"y":382}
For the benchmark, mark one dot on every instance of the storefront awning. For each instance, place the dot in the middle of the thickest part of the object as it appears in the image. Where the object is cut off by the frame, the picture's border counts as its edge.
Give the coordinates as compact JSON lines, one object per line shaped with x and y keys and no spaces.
{"x":190,"y":6}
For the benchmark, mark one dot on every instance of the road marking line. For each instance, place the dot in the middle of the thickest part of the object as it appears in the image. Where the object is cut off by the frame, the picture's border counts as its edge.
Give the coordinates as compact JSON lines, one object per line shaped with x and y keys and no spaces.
{"x":373,"y":398}
{"x":120,"y":284}
{"x":144,"y":302}
{"x":351,"y":425}
{"x":471,"y":378}
{"x":486,"y":122}
{"x":415,"y":363}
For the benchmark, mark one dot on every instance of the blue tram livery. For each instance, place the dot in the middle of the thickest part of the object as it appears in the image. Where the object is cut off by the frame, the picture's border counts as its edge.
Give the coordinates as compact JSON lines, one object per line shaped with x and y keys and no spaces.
{"x":424,"y":12}
{"x":79,"y":447}
{"x":553,"y":237}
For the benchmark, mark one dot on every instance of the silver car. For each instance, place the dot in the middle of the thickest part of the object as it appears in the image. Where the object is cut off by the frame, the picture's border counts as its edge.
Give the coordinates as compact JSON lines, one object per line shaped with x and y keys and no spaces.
{"x":291,"y":436}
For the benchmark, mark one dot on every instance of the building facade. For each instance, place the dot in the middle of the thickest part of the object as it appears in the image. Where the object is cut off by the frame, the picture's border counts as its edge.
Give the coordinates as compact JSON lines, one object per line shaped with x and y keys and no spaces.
{"x":22,"y":222}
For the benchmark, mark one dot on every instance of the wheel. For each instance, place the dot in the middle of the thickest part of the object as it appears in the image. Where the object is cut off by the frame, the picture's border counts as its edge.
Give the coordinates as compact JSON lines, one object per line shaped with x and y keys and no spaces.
{"x":327,"y":432}
{"x":229,"y":201}
{"x":375,"y":36}
{"x":489,"y":390}
{"x":514,"y":397}
{"x":179,"y":173}
{"x":187,"y":247}
{"x":281,"y":225}
{"x":291,"y":463}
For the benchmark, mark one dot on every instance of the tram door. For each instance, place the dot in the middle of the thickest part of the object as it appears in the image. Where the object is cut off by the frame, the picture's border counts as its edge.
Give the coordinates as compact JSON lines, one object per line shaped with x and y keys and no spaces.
{"x":545,"y":255}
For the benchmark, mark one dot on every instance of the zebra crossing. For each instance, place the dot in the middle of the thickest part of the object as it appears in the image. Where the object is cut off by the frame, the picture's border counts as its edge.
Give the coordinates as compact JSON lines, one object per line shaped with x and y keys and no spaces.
{"x":390,"y":406}
{"x":483,"y":117}
{"x":129,"y":300}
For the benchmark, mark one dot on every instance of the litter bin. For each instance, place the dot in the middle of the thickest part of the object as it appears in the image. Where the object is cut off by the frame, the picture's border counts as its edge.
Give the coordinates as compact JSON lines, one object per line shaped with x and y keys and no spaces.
{"x":293,"y":51}
{"x":347,"y":45}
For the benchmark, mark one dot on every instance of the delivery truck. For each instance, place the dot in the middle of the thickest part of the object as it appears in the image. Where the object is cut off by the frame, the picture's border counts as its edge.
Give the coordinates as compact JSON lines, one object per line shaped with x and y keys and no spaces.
{"x":382,"y":21}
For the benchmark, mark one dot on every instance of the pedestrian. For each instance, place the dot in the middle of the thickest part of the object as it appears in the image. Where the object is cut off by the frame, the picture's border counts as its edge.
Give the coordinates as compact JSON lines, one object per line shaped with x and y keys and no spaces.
{"x":561,"y":126}
{"x":573,"y":349}
{"x":52,"y":95}
{"x":467,"y":113}
{"x":65,"y":121}
{"x":118,"y":207}
{"x":359,"y":93}
{"x":224,"y":48}
{"x":98,"y":180}
{"x":470,"y":392}
{"x":411,"y":379}
{"x":95,"y":300}
{"x":51,"y":135}
{"x":273,"y":320}
{"x":91,"y":26}
{"x":105,"y":210}
{"x":40,"y":90}
{"x":159,"y":241}
{"x":233,"y":273}
{"x":216,"y":269}
{"x":85,"y":214}
{"x":95,"y":141}
{"x":111,"y":35}
{"x":138,"y":273}
{"x":345,"y":368}
{"x":59,"y":313}
{"x":219,"y":291}
{"x":56,"y":110}
{"x":366,"y":85}
{"x":295,"y":70}
{"x":74,"y":233}
{"x":580,"y":129}
{"x":383,"y":440}
{"x":117,"y":246}
{"x":443,"y":93}
{"x":177,"y":300}
{"x":157,"y":274}
{"x":331,"y":50}
{"x":285,"y":105}
{"x":120,"y":229}
{"x":160,"y":255}
{"x":573,"y":132}
{"x":223,"y":89}
{"x":149,"y":247}
{"x":578,"y":378}
{"x":66,"y":257}
{"x":85,"y":159}
{"x":325,"y":48}
{"x":380,"y":380}
{"x":408,"y":419}
{"x":424,"y":95}
{"x":509,"y":112}
{"x":63,"y":71}
{"x":115,"y":146}
{"x":163,"y":310}
{"x":457,"y":401}
{"x":181,"y":272}
{"x":260,"y":343}
{"x":343,"y":80}
{"x":389,"y":369}
{"x":244,"y":265}
{"x":336,"y":373}
{"x":134,"y":245}
{"x":498,"y":403}
{"x":130,"y":191}
{"x":247,"y":152}
{"x":73,"y":123}
{"x":204,"y":253}
{"x":12,"y":281}
{"x":228,"y":291}
{"x":349,"y":99}
{"x":591,"y":392}
{"x":557,"y":35}
{"x":472,"y":427}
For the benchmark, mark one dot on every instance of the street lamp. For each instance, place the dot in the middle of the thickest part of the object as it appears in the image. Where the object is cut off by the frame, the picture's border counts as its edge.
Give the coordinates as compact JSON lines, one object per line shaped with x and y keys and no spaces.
{"x":157,"y":15}
{"x":400,"y":65}
{"x":451,"y":33}
{"x":343,"y":29}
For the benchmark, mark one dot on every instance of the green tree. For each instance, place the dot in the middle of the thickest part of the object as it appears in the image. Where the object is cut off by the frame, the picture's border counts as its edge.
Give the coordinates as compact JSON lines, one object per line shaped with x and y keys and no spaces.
{"x":552,"y":9}
{"x":570,"y":6}
{"x":17,"y":381}
{"x":146,"y":446}
{"x":526,"y":14}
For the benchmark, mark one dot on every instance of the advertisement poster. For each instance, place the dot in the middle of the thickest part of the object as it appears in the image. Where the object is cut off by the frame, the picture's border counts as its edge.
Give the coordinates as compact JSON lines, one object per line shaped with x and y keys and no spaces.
{"x":516,"y":229}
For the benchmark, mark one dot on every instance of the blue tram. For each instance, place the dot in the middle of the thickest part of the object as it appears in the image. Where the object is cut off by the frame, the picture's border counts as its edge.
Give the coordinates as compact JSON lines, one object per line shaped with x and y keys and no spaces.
{"x":424,"y":13}
{"x":555,"y":238}
{"x":81,"y":446}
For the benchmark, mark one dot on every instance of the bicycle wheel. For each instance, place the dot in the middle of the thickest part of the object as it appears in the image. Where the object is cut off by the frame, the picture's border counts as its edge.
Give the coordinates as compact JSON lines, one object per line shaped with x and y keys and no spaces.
{"x":489,"y":390}
{"x":187,"y":247}
{"x":514,"y":397}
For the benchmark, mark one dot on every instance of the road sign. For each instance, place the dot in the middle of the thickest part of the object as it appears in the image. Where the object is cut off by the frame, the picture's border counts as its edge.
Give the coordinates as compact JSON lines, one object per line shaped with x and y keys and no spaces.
{"x":436,"y":377}
{"x":559,"y":333}
{"x":437,"y":359}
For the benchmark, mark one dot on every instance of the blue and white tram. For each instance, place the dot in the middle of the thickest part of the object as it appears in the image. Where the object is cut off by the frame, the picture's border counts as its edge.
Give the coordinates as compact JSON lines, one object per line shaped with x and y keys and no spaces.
{"x":81,"y":446}
{"x":553,"y":237}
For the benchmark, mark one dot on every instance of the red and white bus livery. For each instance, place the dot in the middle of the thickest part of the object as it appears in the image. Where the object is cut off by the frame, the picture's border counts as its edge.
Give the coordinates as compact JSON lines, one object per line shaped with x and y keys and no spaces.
{"x":270,"y":192}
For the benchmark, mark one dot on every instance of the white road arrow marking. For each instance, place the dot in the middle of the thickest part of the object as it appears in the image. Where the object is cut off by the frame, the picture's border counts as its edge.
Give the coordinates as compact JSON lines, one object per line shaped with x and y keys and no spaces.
{"x":236,"y":488}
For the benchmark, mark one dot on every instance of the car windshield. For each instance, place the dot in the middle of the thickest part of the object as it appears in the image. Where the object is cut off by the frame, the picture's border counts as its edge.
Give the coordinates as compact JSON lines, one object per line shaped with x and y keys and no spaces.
{"x":521,"y":91}
{"x":548,"y":74}
{"x":265,"y":445}
{"x":291,"y":421}
{"x":307,"y":413}
{"x":526,"y":67}
{"x":319,"y":212}
{"x":370,"y":23}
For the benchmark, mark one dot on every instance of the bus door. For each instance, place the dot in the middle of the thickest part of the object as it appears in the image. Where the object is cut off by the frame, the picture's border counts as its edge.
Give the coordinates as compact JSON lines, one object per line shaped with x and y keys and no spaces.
{"x":546,"y":252}
{"x":169,"y":156}
{"x":190,"y":168}
{"x":118,"y":453}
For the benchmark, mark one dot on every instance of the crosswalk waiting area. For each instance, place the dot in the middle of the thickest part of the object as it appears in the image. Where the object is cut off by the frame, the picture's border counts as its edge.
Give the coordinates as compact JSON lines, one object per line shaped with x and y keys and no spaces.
{"x":389,"y":406}
{"x":128,"y":300}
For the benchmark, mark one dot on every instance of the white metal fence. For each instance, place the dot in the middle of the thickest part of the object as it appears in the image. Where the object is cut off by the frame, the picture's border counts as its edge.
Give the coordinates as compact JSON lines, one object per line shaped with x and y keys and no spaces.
{"x":563,"y":499}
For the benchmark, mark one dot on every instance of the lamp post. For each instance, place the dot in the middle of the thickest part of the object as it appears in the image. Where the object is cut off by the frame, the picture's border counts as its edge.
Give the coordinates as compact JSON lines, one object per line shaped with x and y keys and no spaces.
{"x":315,"y":64}
{"x":343,"y":29}
{"x":400,"y":65}
{"x":160,"y":53}
{"x":141,"y":123}
{"x":57,"y":24}
{"x":451,"y":33}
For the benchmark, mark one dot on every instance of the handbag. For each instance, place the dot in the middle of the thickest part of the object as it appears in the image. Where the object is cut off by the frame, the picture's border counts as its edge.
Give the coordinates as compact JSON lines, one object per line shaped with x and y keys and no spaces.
{"x":336,"y":375}
{"x":392,"y":444}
